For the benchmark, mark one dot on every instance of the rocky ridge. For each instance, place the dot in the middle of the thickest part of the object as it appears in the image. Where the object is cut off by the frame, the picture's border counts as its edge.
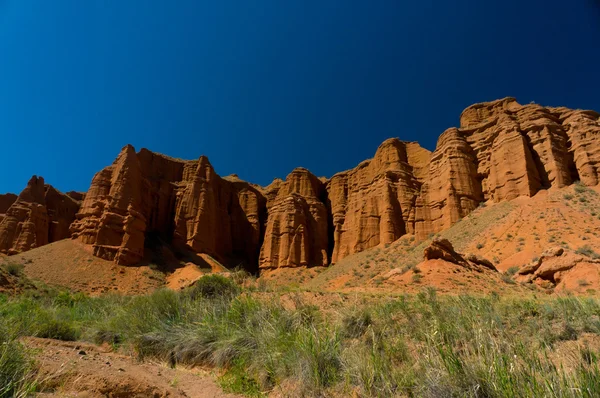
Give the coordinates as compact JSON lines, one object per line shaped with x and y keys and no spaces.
{"x":502,"y":150}
{"x":38,"y":216}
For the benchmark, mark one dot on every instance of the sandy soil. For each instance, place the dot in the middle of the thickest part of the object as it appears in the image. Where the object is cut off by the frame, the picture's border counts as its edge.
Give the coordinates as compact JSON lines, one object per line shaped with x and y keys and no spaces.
{"x":73,"y":369}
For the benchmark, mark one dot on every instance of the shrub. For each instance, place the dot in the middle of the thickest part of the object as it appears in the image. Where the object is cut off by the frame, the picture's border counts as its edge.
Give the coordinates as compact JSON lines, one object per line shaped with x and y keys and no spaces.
{"x":506,"y":278}
{"x":512,"y":270}
{"x":14,"y":269}
{"x":416,"y":278}
{"x":58,"y":329}
{"x":586,"y":250}
{"x":213,"y":286}
{"x":479,"y":246}
{"x":580,"y":188}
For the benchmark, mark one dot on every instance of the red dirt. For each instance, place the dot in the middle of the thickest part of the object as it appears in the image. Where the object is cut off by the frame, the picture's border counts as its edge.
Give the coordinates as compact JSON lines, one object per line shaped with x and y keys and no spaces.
{"x":71,"y":264}
{"x":72,"y":369}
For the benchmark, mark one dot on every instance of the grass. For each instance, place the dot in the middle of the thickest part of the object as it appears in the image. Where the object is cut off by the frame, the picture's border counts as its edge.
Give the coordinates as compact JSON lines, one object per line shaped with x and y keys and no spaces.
{"x":17,"y":371}
{"x":14,"y":269}
{"x":418,"y":345}
{"x":586,"y":250}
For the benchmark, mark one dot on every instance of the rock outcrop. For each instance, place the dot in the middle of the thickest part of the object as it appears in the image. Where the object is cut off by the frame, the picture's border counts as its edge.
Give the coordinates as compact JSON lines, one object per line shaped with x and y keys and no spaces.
{"x":442,"y":249}
{"x":6,"y":200}
{"x":297,"y":226}
{"x":375,"y":203}
{"x":183,"y":202}
{"x":39,"y":215}
{"x":554,"y":266}
{"x":500,"y":151}
{"x":503,"y":150}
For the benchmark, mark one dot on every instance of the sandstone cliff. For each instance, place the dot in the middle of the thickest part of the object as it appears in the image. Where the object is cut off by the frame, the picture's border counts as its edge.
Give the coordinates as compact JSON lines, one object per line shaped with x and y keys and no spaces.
{"x":501,"y":150}
{"x":297,"y":226}
{"x":183,"y":202}
{"x":38,"y":216}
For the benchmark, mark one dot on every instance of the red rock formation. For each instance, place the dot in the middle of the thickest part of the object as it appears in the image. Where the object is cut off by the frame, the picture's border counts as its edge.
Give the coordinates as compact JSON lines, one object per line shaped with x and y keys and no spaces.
{"x":376,"y":201}
{"x":6,"y":200}
{"x":297,"y":226}
{"x":38,"y":216}
{"x":442,"y":249}
{"x":502,"y":150}
{"x":181,"y":201}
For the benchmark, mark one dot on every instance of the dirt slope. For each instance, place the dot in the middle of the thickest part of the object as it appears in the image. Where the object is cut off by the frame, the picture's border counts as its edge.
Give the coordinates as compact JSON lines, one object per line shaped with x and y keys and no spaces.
{"x":71,"y":264}
{"x":71,"y":369}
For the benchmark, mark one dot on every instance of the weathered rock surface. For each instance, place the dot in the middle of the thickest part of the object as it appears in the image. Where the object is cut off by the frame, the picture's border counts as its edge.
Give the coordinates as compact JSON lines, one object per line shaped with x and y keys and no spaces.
{"x":500,"y":151}
{"x":375,"y":203}
{"x":39,"y":215}
{"x":297,"y":227}
{"x":184,"y":202}
{"x":442,"y":249}
{"x":552,"y":267}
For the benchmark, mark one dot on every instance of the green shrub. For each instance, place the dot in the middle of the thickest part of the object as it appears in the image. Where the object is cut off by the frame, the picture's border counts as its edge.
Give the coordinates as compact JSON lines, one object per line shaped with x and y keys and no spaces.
{"x":14,"y":269}
{"x":58,"y":329}
{"x":214,"y":286}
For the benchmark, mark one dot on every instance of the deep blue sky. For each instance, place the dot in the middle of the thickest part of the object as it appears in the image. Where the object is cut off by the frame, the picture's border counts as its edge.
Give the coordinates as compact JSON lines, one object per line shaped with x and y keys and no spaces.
{"x":261,"y":87}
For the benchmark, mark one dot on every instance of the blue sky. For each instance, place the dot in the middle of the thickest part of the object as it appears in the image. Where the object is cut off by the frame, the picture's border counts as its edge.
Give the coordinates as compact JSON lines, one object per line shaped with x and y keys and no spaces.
{"x":261,"y":87}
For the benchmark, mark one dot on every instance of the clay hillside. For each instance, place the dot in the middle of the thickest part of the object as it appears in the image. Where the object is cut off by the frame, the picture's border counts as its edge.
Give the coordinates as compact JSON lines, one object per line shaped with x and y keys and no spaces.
{"x":149,"y":207}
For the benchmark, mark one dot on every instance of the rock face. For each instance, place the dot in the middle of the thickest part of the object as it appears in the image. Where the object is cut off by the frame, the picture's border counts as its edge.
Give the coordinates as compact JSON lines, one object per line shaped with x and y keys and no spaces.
{"x":501,"y":150}
{"x":297,"y":227}
{"x":6,"y":200}
{"x":39,"y":215}
{"x":376,"y":201}
{"x":185,"y":202}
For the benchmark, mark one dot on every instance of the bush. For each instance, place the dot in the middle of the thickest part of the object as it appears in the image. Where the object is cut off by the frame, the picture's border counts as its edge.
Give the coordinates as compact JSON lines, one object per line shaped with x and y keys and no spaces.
{"x":14,"y":269}
{"x":512,"y":270}
{"x":580,"y":188}
{"x":586,"y":250}
{"x":214,"y":286}
{"x":58,"y":329}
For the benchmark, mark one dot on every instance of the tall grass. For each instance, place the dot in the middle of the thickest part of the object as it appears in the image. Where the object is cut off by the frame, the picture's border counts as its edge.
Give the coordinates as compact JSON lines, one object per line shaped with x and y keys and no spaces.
{"x":17,"y":374}
{"x":422,"y":345}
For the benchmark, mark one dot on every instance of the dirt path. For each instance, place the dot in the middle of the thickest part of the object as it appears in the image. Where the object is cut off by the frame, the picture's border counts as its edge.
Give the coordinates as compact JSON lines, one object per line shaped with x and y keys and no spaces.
{"x":73,"y":369}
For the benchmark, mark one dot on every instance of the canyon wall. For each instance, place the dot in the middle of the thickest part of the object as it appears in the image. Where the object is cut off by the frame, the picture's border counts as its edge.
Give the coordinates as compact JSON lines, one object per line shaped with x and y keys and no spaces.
{"x":38,"y":216}
{"x":501,"y":150}
{"x":182,"y":202}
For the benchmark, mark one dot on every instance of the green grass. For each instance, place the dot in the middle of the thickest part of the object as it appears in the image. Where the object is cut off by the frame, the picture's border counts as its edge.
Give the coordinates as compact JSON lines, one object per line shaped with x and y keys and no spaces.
{"x":17,"y":371}
{"x":421,"y":345}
